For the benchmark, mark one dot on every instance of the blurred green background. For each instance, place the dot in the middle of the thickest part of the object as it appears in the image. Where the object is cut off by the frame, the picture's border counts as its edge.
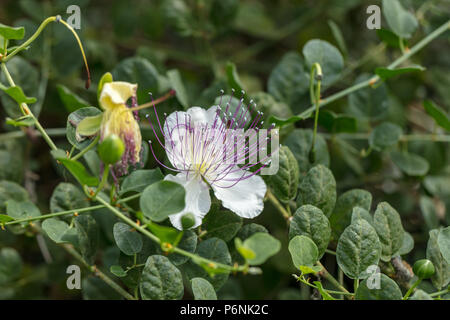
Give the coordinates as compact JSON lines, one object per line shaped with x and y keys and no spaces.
{"x":153,"y":42}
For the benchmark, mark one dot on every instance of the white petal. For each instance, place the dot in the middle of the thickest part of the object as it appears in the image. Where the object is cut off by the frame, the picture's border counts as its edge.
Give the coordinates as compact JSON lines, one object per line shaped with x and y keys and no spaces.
{"x":202,"y":116}
{"x":245,"y":198}
{"x":211,"y":115}
{"x":175,"y":139}
{"x":173,"y":121}
{"x":198,"y":201}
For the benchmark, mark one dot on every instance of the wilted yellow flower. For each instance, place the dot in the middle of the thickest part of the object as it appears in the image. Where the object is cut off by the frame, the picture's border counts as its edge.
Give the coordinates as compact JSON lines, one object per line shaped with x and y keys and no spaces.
{"x":118,"y":119}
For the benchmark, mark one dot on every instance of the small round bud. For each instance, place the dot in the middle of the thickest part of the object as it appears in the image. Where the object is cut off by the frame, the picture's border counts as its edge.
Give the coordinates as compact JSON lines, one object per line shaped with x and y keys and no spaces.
{"x":111,"y":149}
{"x":423,"y":269}
{"x":187,"y":221}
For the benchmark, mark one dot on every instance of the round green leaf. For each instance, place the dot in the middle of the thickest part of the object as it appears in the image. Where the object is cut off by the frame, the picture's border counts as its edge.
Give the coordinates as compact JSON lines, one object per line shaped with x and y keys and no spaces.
{"x":128,"y":240}
{"x":11,"y":191}
{"x":409,"y":163}
{"x":401,"y":21}
{"x":202,"y":289}
{"x":439,"y":115}
{"x":117,"y":271}
{"x":389,"y":228}
{"x":73,"y":120}
{"x":303,"y":251}
{"x":70,"y":100}
{"x":437,"y":185}
{"x":342,"y":213}
{"x":10,"y":265}
{"x":441,"y":276}
{"x":310,"y":221}
{"x":299,"y":142}
{"x":267,"y":104}
{"x":384,"y":135}
{"x":388,"y":290}
{"x":89,"y":126}
{"x":288,"y":80}
{"x":26,"y":76}
{"x":67,"y":197}
{"x":177,"y":84}
{"x":22,"y":209}
{"x":368,"y":103}
{"x":213,"y":249}
{"x":263,"y":245}
{"x":357,"y":249}
{"x":96,"y":289}
{"x":318,"y":188}
{"x":444,"y":243}
{"x":138,"y":180}
{"x":407,"y":245}
{"x":222,"y":224}
{"x":138,"y":70}
{"x":361,"y":213}
{"x":88,"y":236}
{"x":429,"y":212}
{"x":420,"y":295}
{"x":59,"y":231}
{"x":162,"y":199}
{"x":161,"y":280}
{"x":328,"y":56}
{"x":284,"y":183}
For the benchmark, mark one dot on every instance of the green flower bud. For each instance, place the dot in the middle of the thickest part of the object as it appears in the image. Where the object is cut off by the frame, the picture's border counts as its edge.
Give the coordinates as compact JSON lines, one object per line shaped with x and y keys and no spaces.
{"x":423,"y":269}
{"x":187,"y":221}
{"x":111,"y":149}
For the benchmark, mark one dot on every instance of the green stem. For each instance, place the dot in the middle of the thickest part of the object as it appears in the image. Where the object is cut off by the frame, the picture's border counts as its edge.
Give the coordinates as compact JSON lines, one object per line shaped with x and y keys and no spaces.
{"x":315,"y":99}
{"x":327,"y":290}
{"x":63,"y":213}
{"x":71,"y":151}
{"x":331,"y":279}
{"x":411,"y":289}
{"x":405,"y":137}
{"x":341,"y":278}
{"x":24,"y":106}
{"x":330,"y":252}
{"x":154,"y":238}
{"x":31,"y":39}
{"x":103,"y":181}
{"x":374,"y":79}
{"x":55,"y":132}
{"x":89,"y":147}
{"x":98,"y":273}
{"x":278,"y":205}
{"x":401,"y":45}
{"x":356,"y":284}
{"x":438,"y":293}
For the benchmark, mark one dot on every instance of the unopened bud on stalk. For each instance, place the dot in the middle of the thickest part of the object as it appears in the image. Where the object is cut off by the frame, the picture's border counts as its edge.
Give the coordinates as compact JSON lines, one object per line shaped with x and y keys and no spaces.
{"x":187,"y":221}
{"x":423,"y":269}
{"x":111,"y":149}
